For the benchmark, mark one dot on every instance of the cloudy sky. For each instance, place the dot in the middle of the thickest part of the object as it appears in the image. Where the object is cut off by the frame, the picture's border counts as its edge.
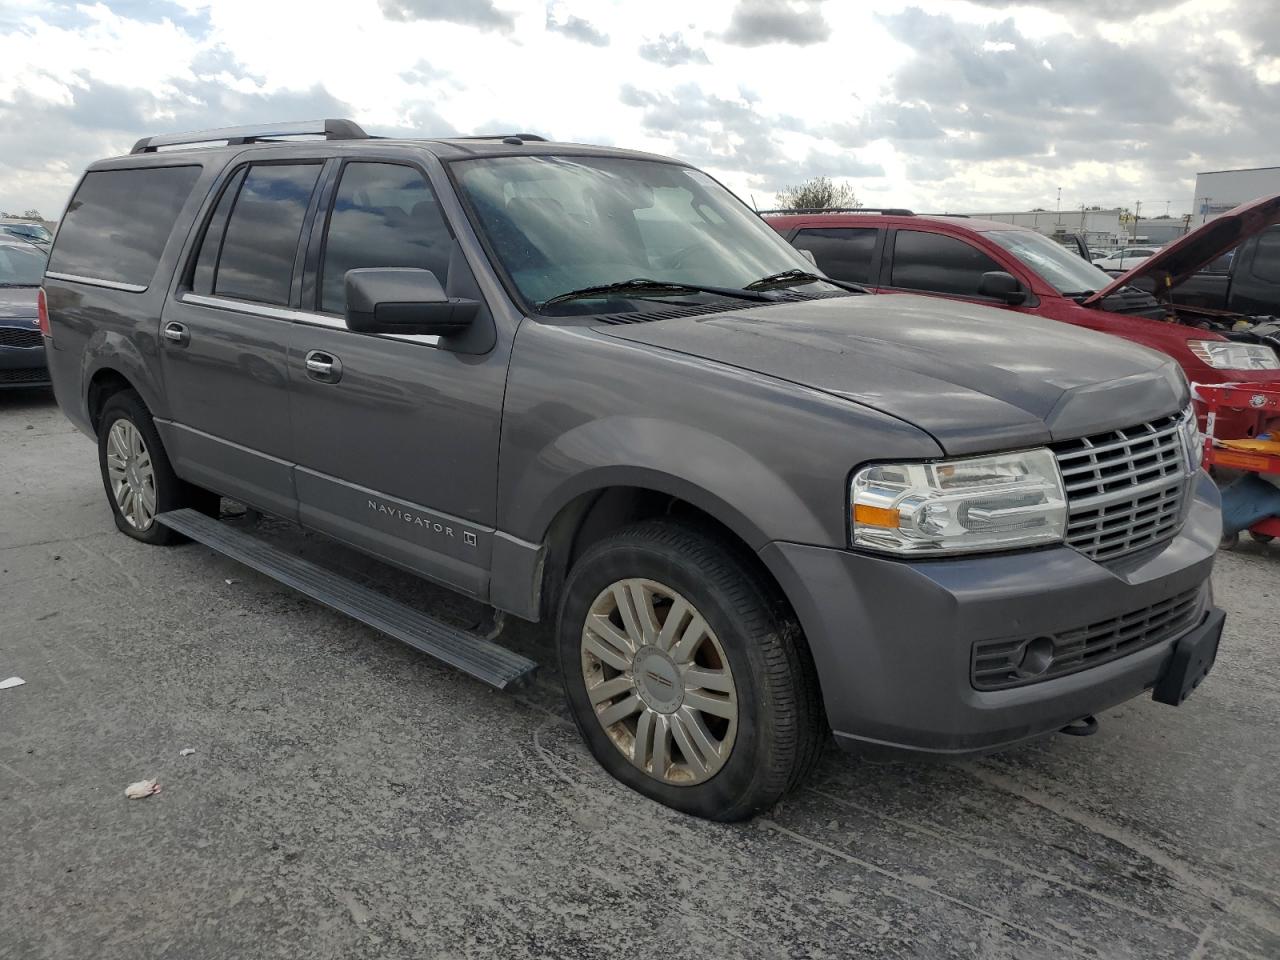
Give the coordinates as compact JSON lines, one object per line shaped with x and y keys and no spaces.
{"x":989,"y":104}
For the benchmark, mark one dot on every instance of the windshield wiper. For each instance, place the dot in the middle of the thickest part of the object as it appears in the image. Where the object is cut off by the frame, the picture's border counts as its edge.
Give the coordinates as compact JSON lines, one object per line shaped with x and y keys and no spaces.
{"x":792,"y":278}
{"x":642,"y":286}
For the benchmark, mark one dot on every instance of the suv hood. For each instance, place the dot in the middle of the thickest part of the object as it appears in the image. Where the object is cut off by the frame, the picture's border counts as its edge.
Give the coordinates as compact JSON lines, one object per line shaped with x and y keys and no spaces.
{"x":18,"y":303}
{"x":1170,"y":266}
{"x":976,"y":378}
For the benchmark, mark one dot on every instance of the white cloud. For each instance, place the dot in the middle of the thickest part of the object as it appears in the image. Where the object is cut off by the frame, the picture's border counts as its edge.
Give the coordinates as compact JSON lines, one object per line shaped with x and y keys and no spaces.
{"x":1001,"y":103}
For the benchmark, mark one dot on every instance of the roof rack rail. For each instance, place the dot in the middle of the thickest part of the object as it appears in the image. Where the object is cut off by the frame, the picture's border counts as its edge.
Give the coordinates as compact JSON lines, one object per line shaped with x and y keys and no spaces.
{"x":234,"y":136}
{"x":885,"y":211}
{"x":501,"y":136}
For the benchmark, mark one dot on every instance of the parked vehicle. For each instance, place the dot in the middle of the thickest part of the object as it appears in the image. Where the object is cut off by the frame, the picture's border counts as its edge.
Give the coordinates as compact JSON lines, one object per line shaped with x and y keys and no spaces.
{"x":26,"y":230}
{"x":22,"y":362}
{"x":590,"y":386}
{"x":983,"y":261}
{"x":1126,"y":258}
{"x":1243,"y":282}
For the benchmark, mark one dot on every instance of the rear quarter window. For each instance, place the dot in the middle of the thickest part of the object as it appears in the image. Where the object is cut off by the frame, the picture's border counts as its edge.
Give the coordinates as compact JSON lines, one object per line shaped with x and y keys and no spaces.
{"x":119,"y":221}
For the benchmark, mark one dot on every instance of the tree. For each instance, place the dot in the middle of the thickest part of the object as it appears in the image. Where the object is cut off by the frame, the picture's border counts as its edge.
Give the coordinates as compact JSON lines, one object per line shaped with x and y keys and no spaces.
{"x":817,"y":194}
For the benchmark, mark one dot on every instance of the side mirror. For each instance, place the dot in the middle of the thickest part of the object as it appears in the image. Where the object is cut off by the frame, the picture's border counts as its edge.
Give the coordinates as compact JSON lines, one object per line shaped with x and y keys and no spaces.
{"x":999,"y":285}
{"x":404,"y":300}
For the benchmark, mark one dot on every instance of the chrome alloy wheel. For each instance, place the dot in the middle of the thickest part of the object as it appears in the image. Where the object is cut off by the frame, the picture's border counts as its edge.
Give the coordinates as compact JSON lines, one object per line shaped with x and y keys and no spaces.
{"x":659,"y":681}
{"x":133,"y":479}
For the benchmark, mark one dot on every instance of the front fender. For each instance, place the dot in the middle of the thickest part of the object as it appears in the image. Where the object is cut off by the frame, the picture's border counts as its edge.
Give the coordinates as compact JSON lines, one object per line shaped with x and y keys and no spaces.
{"x":669,"y":457}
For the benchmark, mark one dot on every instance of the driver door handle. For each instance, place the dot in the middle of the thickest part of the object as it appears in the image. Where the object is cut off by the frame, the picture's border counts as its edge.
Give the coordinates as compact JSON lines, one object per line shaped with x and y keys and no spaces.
{"x":324,"y":367}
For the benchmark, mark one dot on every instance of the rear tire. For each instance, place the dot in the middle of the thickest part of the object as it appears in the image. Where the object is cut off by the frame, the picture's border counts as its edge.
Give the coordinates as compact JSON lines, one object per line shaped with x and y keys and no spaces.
{"x":136,"y":472}
{"x":1261,"y":537}
{"x":716,"y":712}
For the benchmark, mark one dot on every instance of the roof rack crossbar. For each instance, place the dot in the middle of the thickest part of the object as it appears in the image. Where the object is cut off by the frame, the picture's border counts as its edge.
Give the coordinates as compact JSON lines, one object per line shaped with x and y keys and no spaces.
{"x":329,"y":129}
{"x":885,"y":211}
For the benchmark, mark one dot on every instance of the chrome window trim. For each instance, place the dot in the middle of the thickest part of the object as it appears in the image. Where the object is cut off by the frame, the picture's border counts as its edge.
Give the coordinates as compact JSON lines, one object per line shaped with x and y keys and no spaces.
{"x":294,"y":316}
{"x":97,"y":282}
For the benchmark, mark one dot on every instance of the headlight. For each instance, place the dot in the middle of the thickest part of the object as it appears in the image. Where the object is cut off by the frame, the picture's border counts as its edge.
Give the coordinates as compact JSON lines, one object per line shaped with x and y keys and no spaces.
{"x":1228,"y":355}
{"x":995,"y":502}
{"x":1192,"y":438}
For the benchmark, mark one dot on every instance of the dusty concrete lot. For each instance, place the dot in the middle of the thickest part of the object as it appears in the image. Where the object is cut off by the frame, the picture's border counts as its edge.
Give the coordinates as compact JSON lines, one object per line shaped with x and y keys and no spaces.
{"x":349,"y":798}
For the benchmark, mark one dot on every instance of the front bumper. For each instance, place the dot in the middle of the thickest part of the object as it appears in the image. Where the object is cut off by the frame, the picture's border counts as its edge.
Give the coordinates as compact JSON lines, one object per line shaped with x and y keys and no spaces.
{"x":23,"y":367}
{"x":892,"y":640}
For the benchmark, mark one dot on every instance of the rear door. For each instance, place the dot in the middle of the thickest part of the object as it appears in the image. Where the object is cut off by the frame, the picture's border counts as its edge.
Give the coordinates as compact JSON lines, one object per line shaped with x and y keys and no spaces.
{"x":225,"y":335}
{"x":844,"y":253}
{"x":396,"y":441}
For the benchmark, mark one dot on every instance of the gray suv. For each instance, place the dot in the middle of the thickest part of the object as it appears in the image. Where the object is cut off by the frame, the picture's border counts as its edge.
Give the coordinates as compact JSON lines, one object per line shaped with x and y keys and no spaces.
{"x":589,"y":386}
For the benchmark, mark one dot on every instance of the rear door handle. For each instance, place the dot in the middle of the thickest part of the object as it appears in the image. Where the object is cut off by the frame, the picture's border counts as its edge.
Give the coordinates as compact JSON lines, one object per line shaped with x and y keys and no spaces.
{"x":324,"y":367}
{"x":177,"y":333}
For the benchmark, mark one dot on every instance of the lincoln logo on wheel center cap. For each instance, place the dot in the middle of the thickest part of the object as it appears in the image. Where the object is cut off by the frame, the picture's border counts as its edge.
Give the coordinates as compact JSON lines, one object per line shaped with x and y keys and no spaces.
{"x":658,"y":680}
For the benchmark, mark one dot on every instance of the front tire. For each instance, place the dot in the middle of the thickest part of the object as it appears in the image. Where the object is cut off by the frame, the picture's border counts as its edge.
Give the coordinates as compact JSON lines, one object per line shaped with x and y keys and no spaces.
{"x":687,"y":682}
{"x":136,"y":472}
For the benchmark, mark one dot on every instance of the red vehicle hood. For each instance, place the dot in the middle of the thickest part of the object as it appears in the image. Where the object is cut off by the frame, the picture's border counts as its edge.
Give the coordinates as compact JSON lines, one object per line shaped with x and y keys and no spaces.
{"x":1170,"y":266}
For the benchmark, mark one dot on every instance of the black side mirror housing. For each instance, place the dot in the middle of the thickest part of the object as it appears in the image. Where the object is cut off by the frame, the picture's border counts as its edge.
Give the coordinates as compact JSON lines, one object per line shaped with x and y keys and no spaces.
{"x":404,"y":300}
{"x":999,"y":285}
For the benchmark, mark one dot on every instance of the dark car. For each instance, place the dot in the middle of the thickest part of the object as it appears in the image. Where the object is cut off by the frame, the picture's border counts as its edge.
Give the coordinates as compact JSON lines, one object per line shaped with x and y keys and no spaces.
{"x":22,"y":361}
{"x":588,"y":386}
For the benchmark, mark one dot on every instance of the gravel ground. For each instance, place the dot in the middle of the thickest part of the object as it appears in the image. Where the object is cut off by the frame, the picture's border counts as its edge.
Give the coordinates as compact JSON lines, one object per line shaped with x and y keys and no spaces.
{"x":349,"y":798}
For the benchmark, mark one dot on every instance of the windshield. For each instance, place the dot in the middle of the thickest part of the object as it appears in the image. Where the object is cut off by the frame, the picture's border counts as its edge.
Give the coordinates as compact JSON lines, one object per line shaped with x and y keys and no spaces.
{"x":560,"y":224}
{"x":1068,"y":273}
{"x":33,"y":230}
{"x":22,"y":265}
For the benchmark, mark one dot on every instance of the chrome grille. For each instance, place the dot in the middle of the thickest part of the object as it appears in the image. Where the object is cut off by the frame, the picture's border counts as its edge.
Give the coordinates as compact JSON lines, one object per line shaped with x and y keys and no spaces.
{"x":1126,"y":489}
{"x":999,"y":664}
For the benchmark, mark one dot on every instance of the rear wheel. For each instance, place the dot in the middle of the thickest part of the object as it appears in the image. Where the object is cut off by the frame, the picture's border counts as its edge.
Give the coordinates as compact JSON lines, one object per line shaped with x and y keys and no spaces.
{"x":687,"y":684}
{"x":136,"y":473}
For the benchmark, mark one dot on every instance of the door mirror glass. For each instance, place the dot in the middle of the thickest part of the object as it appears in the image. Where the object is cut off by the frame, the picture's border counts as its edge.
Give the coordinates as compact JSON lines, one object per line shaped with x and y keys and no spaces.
{"x":403,"y":300}
{"x":1001,"y":286}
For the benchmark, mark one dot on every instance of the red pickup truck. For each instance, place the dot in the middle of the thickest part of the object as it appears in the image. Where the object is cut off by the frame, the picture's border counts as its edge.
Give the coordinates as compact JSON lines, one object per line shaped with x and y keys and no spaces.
{"x":895,"y":251}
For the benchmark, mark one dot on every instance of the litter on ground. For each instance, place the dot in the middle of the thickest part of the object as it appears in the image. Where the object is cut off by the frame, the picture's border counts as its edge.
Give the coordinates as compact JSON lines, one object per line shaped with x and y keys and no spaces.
{"x":8,"y":682}
{"x":142,"y":789}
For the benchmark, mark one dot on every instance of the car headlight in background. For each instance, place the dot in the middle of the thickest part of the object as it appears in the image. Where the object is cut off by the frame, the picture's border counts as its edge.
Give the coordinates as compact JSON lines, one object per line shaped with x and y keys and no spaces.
{"x":1192,"y":438}
{"x":1228,"y":355}
{"x":997,"y":502}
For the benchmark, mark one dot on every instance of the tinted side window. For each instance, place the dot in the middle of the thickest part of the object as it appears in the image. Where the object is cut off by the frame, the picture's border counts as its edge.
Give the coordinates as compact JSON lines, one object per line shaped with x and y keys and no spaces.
{"x":261,"y":238}
{"x":384,"y":215}
{"x":842,"y":252}
{"x":211,"y":245}
{"x":1266,"y":258}
{"x":931,"y":261}
{"x":119,"y":221}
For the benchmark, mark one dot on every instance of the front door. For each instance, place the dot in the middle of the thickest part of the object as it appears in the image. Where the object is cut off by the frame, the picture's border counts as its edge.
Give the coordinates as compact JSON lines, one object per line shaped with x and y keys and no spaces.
{"x":395,"y":438}
{"x":225,"y":334}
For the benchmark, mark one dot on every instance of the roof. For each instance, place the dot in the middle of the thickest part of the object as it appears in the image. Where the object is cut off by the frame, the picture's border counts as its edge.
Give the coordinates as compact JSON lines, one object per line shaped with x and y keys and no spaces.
{"x":347,"y":136}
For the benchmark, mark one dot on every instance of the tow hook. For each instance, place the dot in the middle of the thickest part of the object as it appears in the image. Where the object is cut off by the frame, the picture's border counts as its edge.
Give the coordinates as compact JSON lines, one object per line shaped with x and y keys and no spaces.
{"x":1084,"y":727}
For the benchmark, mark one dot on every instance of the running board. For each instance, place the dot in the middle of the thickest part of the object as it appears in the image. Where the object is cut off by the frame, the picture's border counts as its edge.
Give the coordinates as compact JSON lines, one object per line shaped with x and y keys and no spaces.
{"x":468,"y":652}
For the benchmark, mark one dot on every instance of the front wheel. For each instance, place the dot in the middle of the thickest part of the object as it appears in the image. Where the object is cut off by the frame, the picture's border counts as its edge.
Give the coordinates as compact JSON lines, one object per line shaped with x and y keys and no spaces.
{"x":686,"y":682}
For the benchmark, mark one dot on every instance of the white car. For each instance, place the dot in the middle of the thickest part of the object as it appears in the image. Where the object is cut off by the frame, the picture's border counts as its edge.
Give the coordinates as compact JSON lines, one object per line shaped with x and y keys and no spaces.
{"x":1126,"y":258}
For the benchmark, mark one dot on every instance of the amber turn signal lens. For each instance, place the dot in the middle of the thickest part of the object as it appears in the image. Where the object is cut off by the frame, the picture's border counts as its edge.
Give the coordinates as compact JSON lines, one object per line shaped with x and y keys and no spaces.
{"x":875,"y":516}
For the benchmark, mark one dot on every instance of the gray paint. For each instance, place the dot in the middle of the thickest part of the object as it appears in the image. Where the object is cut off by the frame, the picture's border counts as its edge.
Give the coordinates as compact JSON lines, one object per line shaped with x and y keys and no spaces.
{"x":757,"y":416}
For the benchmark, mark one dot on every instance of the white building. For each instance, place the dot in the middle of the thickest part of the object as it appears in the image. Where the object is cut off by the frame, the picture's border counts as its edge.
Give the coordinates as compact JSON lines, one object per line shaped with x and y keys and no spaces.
{"x":1217,"y":191}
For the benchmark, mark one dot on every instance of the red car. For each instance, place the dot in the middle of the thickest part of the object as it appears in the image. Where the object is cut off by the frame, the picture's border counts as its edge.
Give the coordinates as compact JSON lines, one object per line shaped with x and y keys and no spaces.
{"x":983,"y":261}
